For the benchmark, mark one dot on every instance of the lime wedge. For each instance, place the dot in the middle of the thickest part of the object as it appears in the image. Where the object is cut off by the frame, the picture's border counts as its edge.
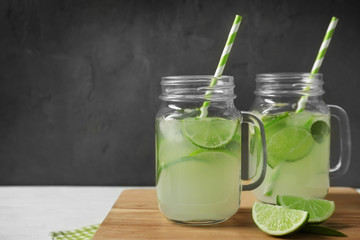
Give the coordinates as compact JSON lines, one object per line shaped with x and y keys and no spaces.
{"x":289,"y":144}
{"x":277,"y":220}
{"x":319,"y":209}
{"x":209,"y":132}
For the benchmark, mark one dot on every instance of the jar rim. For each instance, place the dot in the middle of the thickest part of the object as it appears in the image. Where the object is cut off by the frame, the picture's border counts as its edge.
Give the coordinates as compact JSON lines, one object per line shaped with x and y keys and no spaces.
{"x":177,"y":79}
{"x":197,"y":88}
{"x":289,"y":84}
{"x":280,"y":76}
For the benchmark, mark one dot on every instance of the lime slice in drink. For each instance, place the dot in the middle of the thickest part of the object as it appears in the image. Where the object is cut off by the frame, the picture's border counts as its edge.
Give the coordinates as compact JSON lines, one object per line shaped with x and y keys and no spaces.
{"x":319,"y":209}
{"x":272,"y":120}
{"x":204,"y":179}
{"x":209,"y":132}
{"x":290,"y":144}
{"x":203,"y":157}
{"x":278,"y":220}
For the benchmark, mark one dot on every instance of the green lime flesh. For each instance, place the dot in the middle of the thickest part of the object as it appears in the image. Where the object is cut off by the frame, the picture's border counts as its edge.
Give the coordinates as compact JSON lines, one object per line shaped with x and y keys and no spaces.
{"x":278,"y":220}
{"x":209,"y":132}
{"x":289,"y":144}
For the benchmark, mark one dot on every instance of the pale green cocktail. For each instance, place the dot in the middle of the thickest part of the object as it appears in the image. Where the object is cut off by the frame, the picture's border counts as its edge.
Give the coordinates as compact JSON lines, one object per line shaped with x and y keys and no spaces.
{"x":298,"y":146}
{"x":198,"y":168}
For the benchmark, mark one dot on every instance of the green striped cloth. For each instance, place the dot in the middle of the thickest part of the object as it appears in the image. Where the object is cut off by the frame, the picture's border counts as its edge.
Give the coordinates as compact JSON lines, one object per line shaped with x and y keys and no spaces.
{"x":84,"y":233}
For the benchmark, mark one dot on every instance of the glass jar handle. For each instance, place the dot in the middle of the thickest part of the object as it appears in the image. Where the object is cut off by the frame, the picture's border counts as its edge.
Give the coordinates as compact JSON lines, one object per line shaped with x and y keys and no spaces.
{"x":251,"y":118}
{"x":345,"y":141}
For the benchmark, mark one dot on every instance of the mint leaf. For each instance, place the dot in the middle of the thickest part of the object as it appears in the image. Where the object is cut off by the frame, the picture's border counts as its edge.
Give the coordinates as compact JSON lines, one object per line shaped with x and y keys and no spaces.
{"x":322,"y":230}
{"x":319,"y":130}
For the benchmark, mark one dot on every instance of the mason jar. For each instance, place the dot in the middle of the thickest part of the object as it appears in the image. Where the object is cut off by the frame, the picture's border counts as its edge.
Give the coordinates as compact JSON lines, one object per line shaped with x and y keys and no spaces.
{"x":297,"y":129}
{"x":198,"y":150}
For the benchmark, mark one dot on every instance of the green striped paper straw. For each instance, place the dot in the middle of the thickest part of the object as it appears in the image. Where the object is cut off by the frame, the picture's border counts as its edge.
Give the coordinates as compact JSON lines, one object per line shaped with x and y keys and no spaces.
{"x":319,"y":59}
{"x":222,"y":63}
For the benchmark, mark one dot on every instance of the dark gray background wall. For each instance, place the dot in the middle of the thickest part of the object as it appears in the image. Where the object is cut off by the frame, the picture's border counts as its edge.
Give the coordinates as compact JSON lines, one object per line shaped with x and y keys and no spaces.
{"x":79,"y":80}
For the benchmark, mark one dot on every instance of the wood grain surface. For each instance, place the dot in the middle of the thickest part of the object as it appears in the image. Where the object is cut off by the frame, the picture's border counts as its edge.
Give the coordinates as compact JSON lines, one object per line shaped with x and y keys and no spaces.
{"x":135,"y":215}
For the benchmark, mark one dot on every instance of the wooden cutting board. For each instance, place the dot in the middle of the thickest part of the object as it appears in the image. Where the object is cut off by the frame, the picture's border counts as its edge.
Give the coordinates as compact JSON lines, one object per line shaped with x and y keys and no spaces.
{"x":135,"y":215}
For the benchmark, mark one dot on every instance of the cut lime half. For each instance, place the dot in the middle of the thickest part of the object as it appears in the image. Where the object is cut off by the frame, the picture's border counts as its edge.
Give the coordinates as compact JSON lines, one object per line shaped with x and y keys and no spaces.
{"x":289,"y":144}
{"x":278,"y":220}
{"x":209,"y":132}
{"x":319,"y":209}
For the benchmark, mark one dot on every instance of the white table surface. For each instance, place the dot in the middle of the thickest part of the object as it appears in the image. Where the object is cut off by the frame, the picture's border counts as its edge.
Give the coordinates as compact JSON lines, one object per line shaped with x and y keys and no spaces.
{"x":31,"y":213}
